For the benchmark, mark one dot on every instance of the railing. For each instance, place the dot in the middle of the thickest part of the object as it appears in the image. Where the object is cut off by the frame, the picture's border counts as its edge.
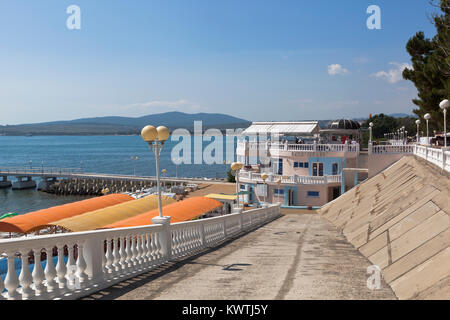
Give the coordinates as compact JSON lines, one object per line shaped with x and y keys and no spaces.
{"x":256,"y":177}
{"x":38,"y":170}
{"x":300,"y":147}
{"x":391,"y":149}
{"x":440,"y":157}
{"x":85,"y":262}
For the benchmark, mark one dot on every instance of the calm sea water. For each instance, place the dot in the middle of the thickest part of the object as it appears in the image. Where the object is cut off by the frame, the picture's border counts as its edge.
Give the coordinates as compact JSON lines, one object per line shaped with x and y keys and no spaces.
{"x":94,"y":154}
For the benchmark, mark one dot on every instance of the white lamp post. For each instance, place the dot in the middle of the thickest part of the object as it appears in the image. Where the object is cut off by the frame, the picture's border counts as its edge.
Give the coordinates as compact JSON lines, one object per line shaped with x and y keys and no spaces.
{"x":418,"y":128}
{"x":264,"y":176}
{"x":236,"y":167}
{"x":370,"y":130}
{"x":155,"y":137}
{"x":134,"y":163}
{"x":427,"y":117}
{"x":444,"y":106}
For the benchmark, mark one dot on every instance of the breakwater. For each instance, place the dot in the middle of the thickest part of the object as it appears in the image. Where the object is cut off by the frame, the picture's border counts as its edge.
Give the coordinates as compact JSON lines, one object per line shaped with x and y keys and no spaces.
{"x":92,"y":186}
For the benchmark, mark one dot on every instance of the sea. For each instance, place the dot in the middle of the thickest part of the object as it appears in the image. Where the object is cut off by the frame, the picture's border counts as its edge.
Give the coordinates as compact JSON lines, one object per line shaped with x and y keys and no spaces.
{"x":105,"y":154}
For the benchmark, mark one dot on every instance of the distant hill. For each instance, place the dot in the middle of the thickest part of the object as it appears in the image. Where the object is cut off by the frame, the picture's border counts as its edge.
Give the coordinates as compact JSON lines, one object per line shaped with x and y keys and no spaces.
{"x":401,"y":115}
{"x":126,"y":125}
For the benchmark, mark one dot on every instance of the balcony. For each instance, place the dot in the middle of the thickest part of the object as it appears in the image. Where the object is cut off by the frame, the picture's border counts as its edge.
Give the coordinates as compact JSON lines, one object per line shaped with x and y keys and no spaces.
{"x":282,"y":148}
{"x":252,"y":177}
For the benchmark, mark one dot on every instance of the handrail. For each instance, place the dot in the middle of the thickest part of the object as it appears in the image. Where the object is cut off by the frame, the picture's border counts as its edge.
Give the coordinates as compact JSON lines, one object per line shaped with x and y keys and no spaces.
{"x":85,"y":262}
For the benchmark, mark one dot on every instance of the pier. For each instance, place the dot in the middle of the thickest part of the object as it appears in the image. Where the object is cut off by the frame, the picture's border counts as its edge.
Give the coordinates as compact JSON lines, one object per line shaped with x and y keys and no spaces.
{"x":72,"y":181}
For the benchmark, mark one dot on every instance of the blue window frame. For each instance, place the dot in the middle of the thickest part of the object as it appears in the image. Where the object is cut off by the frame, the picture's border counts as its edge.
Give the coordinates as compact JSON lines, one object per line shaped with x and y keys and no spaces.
{"x":313,"y":194}
{"x":306,"y":165}
{"x":279,"y":191}
{"x":300,"y":164}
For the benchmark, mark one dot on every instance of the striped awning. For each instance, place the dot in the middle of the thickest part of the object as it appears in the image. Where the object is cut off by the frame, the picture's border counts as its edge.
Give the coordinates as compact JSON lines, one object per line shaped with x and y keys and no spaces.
{"x":283,"y":128}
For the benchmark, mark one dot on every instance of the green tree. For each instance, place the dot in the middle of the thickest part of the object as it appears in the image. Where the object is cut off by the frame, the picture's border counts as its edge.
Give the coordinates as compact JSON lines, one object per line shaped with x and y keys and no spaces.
{"x":230,"y":177}
{"x":431,"y":67}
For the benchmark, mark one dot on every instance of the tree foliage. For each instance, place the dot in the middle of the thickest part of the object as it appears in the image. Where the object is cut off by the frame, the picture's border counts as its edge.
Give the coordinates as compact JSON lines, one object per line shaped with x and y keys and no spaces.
{"x":431,"y":66}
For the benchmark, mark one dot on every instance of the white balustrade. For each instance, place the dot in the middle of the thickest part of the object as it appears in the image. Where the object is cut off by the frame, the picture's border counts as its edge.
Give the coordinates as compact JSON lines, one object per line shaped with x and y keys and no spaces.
{"x":300,"y":147}
{"x":80,"y":263}
{"x":256,"y":177}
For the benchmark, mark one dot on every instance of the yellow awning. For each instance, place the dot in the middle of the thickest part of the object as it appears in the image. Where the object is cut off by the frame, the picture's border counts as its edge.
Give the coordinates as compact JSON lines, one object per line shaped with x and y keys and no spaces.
{"x":99,"y":218}
{"x":218,"y":196}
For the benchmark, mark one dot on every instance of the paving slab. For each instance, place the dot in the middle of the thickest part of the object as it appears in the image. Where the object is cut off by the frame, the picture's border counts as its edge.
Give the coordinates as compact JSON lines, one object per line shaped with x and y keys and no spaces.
{"x":298,"y":256}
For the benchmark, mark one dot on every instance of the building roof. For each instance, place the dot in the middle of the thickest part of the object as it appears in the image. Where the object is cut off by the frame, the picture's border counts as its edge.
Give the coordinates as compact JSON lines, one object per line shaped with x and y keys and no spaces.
{"x":40,"y":219}
{"x":185,"y":210}
{"x":99,"y":218}
{"x":283,"y":128}
{"x":346,"y":124}
{"x":221,"y":196}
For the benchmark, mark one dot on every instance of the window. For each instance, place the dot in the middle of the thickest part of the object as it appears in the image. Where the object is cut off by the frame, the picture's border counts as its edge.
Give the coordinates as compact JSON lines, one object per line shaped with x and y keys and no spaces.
{"x":313,"y":194}
{"x":317,"y":169}
{"x":334,"y":169}
{"x":306,"y":165}
{"x":300,"y":164}
{"x":279,"y":192}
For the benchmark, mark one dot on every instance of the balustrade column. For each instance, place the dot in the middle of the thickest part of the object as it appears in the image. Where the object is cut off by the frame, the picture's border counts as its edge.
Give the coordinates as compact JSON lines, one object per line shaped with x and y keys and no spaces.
{"x":61,"y":269}
{"x":50,"y":272}
{"x":165,"y":237}
{"x":25,"y":278}
{"x":11,"y":280}
{"x":38,"y":275}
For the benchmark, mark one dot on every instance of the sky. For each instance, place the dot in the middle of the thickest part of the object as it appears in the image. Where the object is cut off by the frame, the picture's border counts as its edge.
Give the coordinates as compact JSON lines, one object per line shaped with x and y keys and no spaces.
{"x":261,"y":60}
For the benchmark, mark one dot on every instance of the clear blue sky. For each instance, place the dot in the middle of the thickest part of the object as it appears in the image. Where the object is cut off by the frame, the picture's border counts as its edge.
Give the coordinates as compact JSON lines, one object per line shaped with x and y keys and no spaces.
{"x":255,"y":59}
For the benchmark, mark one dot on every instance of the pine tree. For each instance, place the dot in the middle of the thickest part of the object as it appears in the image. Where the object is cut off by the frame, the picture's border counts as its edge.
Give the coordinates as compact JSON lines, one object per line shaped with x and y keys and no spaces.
{"x":431,"y":67}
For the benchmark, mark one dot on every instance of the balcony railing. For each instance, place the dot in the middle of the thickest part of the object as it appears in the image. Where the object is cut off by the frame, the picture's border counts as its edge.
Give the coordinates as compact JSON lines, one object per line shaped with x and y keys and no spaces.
{"x":72,"y":265}
{"x":300,"y":147}
{"x":440,"y":157}
{"x":256,"y":177}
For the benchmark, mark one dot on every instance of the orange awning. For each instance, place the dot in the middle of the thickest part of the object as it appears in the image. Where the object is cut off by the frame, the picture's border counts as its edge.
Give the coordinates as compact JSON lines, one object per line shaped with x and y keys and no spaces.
{"x":99,"y":218}
{"x":40,"y":219}
{"x":185,"y":210}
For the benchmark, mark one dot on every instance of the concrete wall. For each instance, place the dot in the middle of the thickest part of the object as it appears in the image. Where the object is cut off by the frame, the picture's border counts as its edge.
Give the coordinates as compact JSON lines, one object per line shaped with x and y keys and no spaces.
{"x":400,"y":221}
{"x":378,"y":162}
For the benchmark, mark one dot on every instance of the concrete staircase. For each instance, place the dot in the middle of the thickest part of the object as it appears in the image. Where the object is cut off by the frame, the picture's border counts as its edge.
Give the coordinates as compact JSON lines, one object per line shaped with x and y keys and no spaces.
{"x":399,"y":220}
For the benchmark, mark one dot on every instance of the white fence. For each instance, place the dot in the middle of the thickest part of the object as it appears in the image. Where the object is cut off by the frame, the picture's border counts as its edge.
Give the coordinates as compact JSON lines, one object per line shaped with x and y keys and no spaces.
{"x":256,"y":177}
{"x":440,"y":157}
{"x":85,"y":262}
{"x":299,"y":147}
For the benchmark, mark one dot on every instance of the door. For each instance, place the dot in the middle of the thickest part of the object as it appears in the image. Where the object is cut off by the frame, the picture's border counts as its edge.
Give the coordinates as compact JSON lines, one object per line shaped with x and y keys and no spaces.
{"x":335,"y":169}
{"x":317,"y":169}
{"x":291,"y":198}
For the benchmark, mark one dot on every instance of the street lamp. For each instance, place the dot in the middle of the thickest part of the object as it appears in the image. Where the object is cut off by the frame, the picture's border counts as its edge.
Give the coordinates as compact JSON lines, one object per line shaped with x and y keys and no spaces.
{"x":427,"y":117}
{"x":444,"y":106}
{"x":264,"y":176}
{"x":134,"y":162}
{"x":236,"y":167}
{"x":155,"y":137}
{"x":370,"y":129}
{"x":163,"y":171}
{"x":418,"y":128}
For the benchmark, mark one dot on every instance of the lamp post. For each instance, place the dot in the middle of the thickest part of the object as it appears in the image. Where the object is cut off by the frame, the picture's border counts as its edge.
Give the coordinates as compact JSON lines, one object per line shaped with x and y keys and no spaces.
{"x":264,"y":176}
{"x":427,"y":117}
{"x":444,"y":106}
{"x":418,"y":128}
{"x":163,"y":171}
{"x":155,"y":137}
{"x":236,"y":167}
{"x":134,"y":158}
{"x":175,"y":161}
{"x":370,"y":130}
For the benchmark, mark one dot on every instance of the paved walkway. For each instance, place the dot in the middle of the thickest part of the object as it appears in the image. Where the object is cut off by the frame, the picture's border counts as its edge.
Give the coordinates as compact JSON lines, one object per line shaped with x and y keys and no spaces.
{"x":298,"y":256}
